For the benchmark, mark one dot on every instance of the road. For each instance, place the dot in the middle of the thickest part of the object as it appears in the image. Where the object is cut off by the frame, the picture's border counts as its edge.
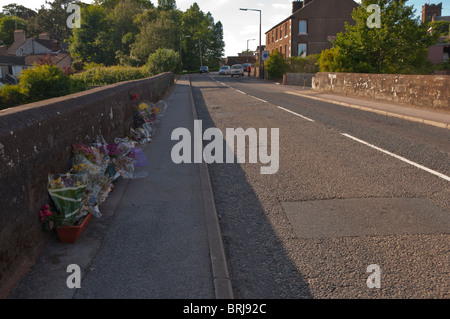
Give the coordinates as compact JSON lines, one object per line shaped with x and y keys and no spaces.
{"x":353,"y":189}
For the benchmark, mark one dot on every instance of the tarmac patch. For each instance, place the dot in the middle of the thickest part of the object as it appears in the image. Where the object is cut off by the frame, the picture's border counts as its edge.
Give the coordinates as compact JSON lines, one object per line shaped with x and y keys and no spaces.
{"x":366,"y":217}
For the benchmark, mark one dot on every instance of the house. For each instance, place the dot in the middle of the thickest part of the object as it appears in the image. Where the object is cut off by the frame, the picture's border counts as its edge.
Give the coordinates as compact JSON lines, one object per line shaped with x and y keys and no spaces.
{"x":12,"y":66}
{"x":311,"y":26}
{"x":240,"y":59}
{"x":23,"y":53}
{"x":439,"y":52}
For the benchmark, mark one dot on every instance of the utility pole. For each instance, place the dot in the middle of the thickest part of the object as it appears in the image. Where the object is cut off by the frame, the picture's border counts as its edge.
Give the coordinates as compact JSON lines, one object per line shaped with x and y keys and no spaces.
{"x":261,"y":74}
{"x":200,"y":48}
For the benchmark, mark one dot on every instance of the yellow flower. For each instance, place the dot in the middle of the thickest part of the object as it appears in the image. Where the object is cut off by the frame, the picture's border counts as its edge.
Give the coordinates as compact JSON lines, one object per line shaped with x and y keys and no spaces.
{"x":143,"y":106}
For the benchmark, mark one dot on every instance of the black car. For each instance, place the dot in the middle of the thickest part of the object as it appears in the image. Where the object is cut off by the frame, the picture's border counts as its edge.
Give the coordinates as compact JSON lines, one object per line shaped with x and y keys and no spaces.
{"x":204,"y":69}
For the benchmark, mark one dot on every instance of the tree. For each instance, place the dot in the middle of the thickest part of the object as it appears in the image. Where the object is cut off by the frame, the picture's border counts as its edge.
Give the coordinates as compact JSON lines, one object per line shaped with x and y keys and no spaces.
{"x":156,"y":33}
{"x":205,"y":43}
{"x":121,"y":20}
{"x":92,"y":41}
{"x":52,"y":20}
{"x":217,"y":46}
{"x":400,"y":45}
{"x":276,"y":65}
{"x":163,"y":60}
{"x":7,"y":26}
{"x":167,"y":4}
{"x":14,"y":9}
{"x":441,"y":27}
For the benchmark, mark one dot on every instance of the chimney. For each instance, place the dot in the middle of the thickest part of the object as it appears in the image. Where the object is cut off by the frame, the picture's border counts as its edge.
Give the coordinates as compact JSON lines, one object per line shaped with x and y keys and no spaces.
{"x":296,"y":5}
{"x":55,"y":46}
{"x":44,"y":36}
{"x":19,"y":37}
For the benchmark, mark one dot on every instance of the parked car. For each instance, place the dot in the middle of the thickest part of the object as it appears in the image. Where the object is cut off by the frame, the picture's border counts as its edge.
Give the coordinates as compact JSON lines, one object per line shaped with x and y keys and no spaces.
{"x":237,"y":69}
{"x":225,"y":70}
{"x":204,"y":69}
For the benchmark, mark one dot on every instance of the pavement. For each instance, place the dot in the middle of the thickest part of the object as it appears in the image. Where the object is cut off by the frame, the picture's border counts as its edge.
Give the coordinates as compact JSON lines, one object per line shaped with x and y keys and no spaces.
{"x":158,"y":238}
{"x":406,"y":112}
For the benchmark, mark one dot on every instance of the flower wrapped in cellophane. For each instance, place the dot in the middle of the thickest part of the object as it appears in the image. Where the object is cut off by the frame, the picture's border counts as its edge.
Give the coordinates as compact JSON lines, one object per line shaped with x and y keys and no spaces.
{"x":68,"y":191}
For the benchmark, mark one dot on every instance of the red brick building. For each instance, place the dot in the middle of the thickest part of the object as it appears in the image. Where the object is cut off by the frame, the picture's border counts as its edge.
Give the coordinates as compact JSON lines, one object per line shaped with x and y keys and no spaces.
{"x":310,"y":27}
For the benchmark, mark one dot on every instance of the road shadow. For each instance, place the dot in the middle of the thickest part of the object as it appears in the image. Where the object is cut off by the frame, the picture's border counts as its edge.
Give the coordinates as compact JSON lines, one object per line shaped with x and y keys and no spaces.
{"x":259,"y":265}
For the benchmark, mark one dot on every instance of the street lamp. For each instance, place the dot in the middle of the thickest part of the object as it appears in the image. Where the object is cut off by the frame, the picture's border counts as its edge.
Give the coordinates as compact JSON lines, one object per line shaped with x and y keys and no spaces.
{"x":261,"y":75}
{"x":247,"y":46}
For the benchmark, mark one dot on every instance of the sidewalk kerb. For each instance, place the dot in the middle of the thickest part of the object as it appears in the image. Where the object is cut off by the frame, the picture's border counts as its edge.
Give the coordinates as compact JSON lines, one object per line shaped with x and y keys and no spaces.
{"x":382,"y":112}
{"x":222,"y":281}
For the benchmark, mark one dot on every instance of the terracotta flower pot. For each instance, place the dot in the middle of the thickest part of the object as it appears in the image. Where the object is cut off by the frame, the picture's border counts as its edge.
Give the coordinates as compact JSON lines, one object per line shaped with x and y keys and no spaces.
{"x":70,"y":234}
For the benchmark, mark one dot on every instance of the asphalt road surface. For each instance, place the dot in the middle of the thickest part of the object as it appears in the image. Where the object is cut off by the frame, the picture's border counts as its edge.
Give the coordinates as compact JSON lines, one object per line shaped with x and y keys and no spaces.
{"x":354,"y":189}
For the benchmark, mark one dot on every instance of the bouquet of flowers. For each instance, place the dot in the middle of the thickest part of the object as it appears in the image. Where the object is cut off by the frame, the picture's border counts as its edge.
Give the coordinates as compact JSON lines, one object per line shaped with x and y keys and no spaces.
{"x":98,"y":186}
{"x":68,"y":193}
{"x":123,"y":156}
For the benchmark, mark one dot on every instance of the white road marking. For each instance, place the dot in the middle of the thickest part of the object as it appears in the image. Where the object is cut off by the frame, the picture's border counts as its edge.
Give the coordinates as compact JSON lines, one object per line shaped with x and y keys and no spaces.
{"x":258,"y":99}
{"x":445,"y":177}
{"x":282,"y":108}
{"x":304,"y":117}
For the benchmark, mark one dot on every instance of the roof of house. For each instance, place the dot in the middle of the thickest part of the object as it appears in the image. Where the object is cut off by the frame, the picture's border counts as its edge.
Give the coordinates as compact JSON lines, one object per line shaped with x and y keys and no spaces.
{"x":36,"y":58}
{"x":12,"y":60}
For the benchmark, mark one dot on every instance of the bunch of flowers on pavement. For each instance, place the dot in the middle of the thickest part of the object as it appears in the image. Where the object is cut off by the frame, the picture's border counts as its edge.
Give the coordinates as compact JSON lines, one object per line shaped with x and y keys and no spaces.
{"x":67,"y":192}
{"x":96,"y":168}
{"x":146,"y":116}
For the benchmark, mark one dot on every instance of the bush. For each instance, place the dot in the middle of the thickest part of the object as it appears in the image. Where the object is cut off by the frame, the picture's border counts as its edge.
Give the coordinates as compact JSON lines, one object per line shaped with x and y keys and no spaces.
{"x":12,"y":95}
{"x":304,"y":65}
{"x":100,"y":75}
{"x":276,"y":65}
{"x":163,"y":60}
{"x":47,"y":81}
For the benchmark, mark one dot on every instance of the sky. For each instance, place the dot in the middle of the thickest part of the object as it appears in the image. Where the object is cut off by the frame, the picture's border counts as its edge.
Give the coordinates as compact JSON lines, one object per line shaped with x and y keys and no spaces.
{"x":242,"y":27}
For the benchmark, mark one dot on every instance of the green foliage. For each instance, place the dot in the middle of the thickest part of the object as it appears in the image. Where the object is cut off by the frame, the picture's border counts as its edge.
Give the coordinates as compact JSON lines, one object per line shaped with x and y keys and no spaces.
{"x":127,"y":32}
{"x":39,"y":83}
{"x":11,"y":95}
{"x":304,"y":65}
{"x":160,"y":32}
{"x":51,"y":18}
{"x":441,"y":27}
{"x":101,"y":75}
{"x":7,"y":27}
{"x":399,"y":46}
{"x":47,"y":81}
{"x":91,"y":42}
{"x":163,"y":60}
{"x":276,"y":65}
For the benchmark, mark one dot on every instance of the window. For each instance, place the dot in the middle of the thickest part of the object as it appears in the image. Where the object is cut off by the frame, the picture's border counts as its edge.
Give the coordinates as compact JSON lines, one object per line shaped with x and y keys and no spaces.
{"x":302,"y":27}
{"x":272,"y":35}
{"x":276,"y":34}
{"x":286,"y":30}
{"x":268,"y":38}
{"x":281,"y":32}
{"x":302,"y":49}
{"x":285,"y":51}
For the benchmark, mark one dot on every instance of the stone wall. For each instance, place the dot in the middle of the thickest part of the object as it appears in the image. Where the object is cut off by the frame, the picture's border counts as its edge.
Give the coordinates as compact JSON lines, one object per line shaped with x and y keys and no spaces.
{"x":427,"y":91}
{"x":302,"y":79}
{"x":36,"y":139}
